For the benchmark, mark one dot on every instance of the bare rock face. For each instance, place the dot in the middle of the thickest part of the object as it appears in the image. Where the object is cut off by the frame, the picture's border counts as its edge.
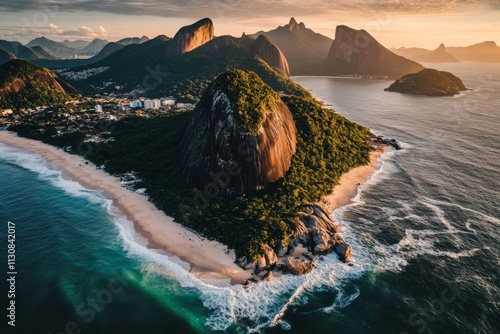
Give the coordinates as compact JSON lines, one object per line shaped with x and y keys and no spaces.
{"x":271,"y":54}
{"x":31,"y":77}
{"x":190,"y":37}
{"x":356,"y":52}
{"x":298,"y":267}
{"x":5,"y":56}
{"x":343,"y":250}
{"x":241,"y":137}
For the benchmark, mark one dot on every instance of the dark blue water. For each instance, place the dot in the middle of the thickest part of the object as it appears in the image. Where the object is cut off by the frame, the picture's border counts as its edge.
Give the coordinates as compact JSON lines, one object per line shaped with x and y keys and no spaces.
{"x":425,"y":231}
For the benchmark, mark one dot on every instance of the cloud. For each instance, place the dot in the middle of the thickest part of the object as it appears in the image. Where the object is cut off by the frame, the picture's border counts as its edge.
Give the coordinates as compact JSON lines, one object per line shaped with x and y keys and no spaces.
{"x":82,"y":32}
{"x":235,"y":10}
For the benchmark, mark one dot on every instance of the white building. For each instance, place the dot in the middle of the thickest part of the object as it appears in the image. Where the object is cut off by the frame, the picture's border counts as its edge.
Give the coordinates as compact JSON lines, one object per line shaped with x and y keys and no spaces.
{"x":98,"y":108}
{"x":152,"y":104}
{"x":168,"y":101}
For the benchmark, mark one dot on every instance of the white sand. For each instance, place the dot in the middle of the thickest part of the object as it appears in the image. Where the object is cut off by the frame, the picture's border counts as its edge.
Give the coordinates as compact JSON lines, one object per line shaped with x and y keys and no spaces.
{"x":207,"y":259}
{"x":345,"y":191}
{"x":161,"y":231}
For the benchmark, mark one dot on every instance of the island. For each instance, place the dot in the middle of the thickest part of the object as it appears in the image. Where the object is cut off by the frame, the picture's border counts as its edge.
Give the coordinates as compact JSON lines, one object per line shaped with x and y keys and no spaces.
{"x":428,"y":82}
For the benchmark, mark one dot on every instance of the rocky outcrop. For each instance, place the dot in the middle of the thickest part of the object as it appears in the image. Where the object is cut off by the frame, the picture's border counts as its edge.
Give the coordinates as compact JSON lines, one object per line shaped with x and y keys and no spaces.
{"x":271,"y":54}
{"x":356,"y":52}
{"x":297,"y":267}
{"x":5,"y":56}
{"x":31,"y":79}
{"x":428,"y":82}
{"x":317,"y":232}
{"x":190,"y":37}
{"x":304,"y":49}
{"x":437,"y":56}
{"x":241,"y":137}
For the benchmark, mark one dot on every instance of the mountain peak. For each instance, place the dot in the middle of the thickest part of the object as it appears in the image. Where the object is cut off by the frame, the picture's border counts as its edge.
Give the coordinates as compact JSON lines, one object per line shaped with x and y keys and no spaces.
{"x":240,"y":124}
{"x":271,"y":54}
{"x":441,"y":47}
{"x":357,"y":52}
{"x":190,"y":37}
{"x":292,"y":24}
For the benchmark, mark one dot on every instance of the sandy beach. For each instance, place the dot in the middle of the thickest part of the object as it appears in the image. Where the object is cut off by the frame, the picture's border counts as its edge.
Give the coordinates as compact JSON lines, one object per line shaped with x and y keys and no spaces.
{"x":207,"y":259}
{"x":344,"y":192}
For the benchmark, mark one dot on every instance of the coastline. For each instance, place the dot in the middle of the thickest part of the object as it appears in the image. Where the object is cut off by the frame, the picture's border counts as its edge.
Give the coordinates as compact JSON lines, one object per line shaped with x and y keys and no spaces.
{"x":346,"y":190}
{"x":207,"y":259}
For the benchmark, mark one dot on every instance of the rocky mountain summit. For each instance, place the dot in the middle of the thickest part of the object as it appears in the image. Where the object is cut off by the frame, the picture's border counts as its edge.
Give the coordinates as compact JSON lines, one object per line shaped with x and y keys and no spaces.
{"x":271,"y":54}
{"x":356,"y":52}
{"x":190,"y":37}
{"x":241,"y":137}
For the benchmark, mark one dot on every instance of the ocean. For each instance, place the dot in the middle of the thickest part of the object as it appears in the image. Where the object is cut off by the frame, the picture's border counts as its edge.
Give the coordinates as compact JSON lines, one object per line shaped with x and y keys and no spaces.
{"x":425,"y":231}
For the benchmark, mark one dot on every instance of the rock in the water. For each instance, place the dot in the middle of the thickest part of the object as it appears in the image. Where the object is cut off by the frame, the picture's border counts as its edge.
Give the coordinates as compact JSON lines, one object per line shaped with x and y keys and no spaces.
{"x":271,"y":54}
{"x":268,"y":276}
{"x":190,"y":37}
{"x":241,"y":137}
{"x":356,"y":52}
{"x":428,"y":82}
{"x":298,"y":267}
{"x":343,"y":250}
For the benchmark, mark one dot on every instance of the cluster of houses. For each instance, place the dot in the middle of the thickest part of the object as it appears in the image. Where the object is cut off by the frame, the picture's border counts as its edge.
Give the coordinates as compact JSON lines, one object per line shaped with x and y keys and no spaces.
{"x":91,"y":115}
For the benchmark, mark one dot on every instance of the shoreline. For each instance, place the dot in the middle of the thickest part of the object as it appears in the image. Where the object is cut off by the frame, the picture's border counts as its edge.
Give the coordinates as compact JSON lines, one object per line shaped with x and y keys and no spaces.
{"x":344,"y":192}
{"x":206,"y":259}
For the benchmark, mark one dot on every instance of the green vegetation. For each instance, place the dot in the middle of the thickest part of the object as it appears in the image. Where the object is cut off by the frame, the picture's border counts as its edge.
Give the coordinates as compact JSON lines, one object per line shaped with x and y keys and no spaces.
{"x":250,"y":96}
{"x":328,"y":146}
{"x":428,"y":82}
{"x":37,"y":91}
{"x":186,"y":77}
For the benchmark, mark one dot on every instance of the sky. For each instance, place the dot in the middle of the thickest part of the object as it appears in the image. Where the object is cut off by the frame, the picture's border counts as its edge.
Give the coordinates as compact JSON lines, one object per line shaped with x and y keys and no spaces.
{"x":395,"y":23}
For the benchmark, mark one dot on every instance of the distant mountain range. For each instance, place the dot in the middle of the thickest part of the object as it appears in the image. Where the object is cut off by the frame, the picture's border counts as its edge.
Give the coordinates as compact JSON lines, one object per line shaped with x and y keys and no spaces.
{"x":185,"y":65}
{"x":356,"y":52}
{"x":310,"y":53}
{"x":62,"y":50}
{"x":481,"y":52}
{"x":300,"y":45}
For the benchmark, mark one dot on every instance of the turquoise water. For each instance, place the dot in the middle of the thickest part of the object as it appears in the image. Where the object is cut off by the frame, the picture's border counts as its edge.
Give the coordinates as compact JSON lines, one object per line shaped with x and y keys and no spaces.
{"x":425,"y":233}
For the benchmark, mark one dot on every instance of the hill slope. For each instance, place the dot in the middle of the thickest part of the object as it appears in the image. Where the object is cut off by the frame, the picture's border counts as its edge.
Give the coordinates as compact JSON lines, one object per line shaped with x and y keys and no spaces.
{"x":23,"y":85}
{"x":428,"y":82}
{"x":6,"y":56}
{"x":437,"y":56}
{"x":239,"y":124}
{"x":356,"y":52}
{"x":300,"y":45}
{"x":148,"y":66}
{"x":57,"y":49}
